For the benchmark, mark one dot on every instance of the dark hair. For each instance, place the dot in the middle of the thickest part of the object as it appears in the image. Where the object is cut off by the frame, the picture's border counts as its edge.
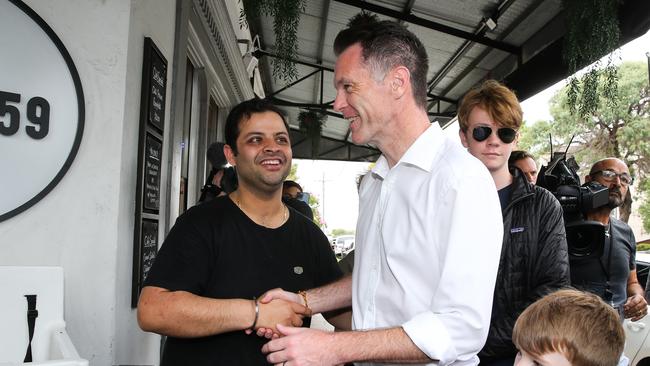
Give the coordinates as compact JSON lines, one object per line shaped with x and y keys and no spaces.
{"x":216,"y":156}
{"x":387,"y":44}
{"x":519,"y":155}
{"x":242,"y":112}
{"x":290,"y":183}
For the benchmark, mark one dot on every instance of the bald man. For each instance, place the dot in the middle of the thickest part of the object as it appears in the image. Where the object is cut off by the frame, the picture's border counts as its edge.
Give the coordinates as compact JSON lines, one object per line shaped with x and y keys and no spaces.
{"x":613,"y":276}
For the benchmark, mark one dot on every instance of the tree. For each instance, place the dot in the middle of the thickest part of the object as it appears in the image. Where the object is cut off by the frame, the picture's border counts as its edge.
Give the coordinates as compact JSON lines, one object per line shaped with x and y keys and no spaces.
{"x":339,"y":232}
{"x":293,"y":173}
{"x":620,"y":127}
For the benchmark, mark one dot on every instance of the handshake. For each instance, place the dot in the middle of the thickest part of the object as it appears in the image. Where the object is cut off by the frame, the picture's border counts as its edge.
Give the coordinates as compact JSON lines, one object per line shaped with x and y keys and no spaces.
{"x":275,"y":307}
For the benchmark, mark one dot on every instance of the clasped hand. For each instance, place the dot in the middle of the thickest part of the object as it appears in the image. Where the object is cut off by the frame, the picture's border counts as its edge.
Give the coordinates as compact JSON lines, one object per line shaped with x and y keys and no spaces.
{"x":279,"y":307}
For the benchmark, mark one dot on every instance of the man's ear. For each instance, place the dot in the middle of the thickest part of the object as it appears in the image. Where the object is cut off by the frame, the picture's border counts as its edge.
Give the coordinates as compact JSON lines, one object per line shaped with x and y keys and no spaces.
{"x":588,"y":178}
{"x":463,"y":138}
{"x":230,"y":155}
{"x":400,"y":80}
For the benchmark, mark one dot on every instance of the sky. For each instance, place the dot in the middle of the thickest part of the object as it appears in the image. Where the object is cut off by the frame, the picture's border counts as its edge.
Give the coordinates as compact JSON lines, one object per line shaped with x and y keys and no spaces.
{"x":336,"y":181}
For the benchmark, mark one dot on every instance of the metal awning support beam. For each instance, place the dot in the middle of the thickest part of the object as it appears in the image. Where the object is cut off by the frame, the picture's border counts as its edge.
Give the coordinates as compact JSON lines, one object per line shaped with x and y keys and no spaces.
{"x":259,"y":53}
{"x":294,"y":83}
{"x":433,"y":25}
{"x":444,"y":99}
{"x":472,"y":66}
{"x":442,"y":114}
{"x":481,"y":29}
{"x":286,"y":103}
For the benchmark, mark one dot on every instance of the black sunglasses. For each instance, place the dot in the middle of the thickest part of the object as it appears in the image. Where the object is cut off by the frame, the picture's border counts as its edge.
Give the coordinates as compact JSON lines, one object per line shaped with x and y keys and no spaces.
{"x":506,"y":134}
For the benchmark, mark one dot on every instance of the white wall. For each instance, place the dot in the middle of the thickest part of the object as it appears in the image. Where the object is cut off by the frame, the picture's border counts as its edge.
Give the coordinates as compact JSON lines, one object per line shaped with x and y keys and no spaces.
{"x":154,"y":19}
{"x":86,"y":223}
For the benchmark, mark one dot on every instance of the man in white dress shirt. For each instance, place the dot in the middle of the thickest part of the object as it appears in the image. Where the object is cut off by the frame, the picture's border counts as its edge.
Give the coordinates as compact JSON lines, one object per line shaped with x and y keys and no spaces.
{"x":429,"y":231}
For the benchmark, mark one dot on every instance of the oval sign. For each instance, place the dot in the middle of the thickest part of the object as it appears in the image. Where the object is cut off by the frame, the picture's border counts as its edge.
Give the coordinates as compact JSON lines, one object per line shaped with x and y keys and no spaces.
{"x":41,"y":109}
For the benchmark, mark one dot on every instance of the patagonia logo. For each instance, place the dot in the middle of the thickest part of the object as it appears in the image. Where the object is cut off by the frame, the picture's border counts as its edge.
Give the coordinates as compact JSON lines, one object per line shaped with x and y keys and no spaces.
{"x":516,"y":230}
{"x":297,"y":270}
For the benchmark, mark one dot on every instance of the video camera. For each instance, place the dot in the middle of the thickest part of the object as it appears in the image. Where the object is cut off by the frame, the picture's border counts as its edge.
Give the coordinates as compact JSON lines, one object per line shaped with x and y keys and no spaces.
{"x":586,"y":239}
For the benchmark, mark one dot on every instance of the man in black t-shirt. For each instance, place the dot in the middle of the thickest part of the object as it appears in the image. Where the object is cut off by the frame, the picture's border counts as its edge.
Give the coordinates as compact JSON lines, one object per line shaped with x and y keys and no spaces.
{"x":220,"y":255}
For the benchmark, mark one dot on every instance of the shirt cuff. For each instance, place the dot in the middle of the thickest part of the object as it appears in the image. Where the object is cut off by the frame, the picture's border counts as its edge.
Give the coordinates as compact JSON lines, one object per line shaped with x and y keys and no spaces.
{"x":431,"y":337}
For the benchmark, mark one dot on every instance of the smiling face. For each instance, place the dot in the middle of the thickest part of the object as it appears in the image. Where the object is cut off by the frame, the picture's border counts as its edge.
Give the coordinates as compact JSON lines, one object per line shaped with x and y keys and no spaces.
{"x":363,"y":100}
{"x":263,"y":158}
{"x":493,"y":152}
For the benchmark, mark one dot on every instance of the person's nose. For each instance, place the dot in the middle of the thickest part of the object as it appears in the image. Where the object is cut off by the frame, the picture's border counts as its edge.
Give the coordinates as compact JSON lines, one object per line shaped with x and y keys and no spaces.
{"x":339,"y":101}
{"x":530,"y":177}
{"x":271,"y":146}
{"x":493,"y":139}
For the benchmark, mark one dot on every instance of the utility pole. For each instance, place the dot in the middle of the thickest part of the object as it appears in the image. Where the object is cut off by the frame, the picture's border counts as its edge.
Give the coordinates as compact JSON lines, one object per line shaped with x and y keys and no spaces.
{"x":322,"y":199}
{"x":647,"y":55}
{"x":323,"y":192}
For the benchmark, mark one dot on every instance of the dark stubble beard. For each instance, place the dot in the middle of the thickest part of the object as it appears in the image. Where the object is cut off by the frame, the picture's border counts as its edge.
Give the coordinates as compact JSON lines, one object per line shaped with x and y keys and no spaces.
{"x":615,"y":201}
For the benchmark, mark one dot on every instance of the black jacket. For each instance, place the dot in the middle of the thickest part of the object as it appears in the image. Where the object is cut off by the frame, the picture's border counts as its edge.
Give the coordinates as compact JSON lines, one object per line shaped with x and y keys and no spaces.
{"x":534,"y":261}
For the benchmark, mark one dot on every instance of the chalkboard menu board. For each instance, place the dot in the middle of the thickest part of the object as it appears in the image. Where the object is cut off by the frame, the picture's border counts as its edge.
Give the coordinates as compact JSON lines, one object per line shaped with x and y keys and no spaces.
{"x":149,"y":239}
{"x":153,"y":153}
{"x":158,"y":84}
{"x":150,"y":156}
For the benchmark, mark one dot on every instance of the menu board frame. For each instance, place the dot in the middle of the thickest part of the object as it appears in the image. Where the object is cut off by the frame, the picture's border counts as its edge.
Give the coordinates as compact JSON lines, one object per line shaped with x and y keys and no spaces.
{"x":151,"y":181}
{"x":153,"y":98}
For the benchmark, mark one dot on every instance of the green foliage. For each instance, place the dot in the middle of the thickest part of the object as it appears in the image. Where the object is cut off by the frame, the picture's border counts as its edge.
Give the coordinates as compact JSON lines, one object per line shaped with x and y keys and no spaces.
{"x":314,"y":203}
{"x":644,"y":209}
{"x":592,"y":32}
{"x":293,"y":173}
{"x":286,"y":18}
{"x":311,"y":124}
{"x":339,"y":232}
{"x":622,"y":131}
{"x":642,"y":247}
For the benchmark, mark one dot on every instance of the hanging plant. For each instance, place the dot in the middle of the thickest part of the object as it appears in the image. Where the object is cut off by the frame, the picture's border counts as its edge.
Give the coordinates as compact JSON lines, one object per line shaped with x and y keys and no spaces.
{"x":311,"y":124}
{"x":592,"y":31}
{"x":286,"y":17}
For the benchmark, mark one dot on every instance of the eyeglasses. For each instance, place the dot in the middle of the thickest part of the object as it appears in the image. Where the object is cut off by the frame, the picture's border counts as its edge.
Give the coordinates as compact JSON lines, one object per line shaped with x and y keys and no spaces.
{"x":506,"y":134}
{"x":610,"y":176}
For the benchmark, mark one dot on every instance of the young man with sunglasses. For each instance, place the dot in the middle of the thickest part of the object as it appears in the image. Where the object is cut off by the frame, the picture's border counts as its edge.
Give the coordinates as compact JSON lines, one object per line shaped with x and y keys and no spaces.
{"x":534,"y":258}
{"x":613,"y":275}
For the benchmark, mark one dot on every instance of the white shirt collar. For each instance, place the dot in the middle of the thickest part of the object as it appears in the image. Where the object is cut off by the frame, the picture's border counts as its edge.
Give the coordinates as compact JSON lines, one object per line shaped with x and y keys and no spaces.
{"x":420,"y":154}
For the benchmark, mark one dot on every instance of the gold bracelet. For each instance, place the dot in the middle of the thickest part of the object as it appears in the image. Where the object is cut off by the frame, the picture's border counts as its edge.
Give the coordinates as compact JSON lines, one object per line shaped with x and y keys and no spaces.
{"x":304,"y":298}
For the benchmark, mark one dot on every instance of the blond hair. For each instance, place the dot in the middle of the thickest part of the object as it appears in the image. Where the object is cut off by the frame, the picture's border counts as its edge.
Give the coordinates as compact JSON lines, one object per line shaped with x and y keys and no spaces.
{"x":577,"y":324}
{"x":497,"y":100}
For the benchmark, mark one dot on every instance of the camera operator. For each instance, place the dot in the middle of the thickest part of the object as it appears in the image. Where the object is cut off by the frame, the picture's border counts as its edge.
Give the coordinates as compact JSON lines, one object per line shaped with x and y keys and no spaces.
{"x":613,"y":275}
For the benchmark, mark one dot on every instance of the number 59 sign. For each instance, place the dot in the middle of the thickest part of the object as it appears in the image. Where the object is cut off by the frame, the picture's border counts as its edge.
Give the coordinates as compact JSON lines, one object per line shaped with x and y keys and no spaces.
{"x":41,"y":109}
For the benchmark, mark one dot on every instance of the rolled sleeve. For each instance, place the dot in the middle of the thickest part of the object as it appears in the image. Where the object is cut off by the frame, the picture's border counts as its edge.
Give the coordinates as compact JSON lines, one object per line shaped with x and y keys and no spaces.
{"x":430,"y":335}
{"x":457,"y":326}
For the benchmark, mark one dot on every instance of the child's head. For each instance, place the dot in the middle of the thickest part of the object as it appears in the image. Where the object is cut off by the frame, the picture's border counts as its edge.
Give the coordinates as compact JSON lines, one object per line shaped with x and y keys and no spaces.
{"x":576,"y":326}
